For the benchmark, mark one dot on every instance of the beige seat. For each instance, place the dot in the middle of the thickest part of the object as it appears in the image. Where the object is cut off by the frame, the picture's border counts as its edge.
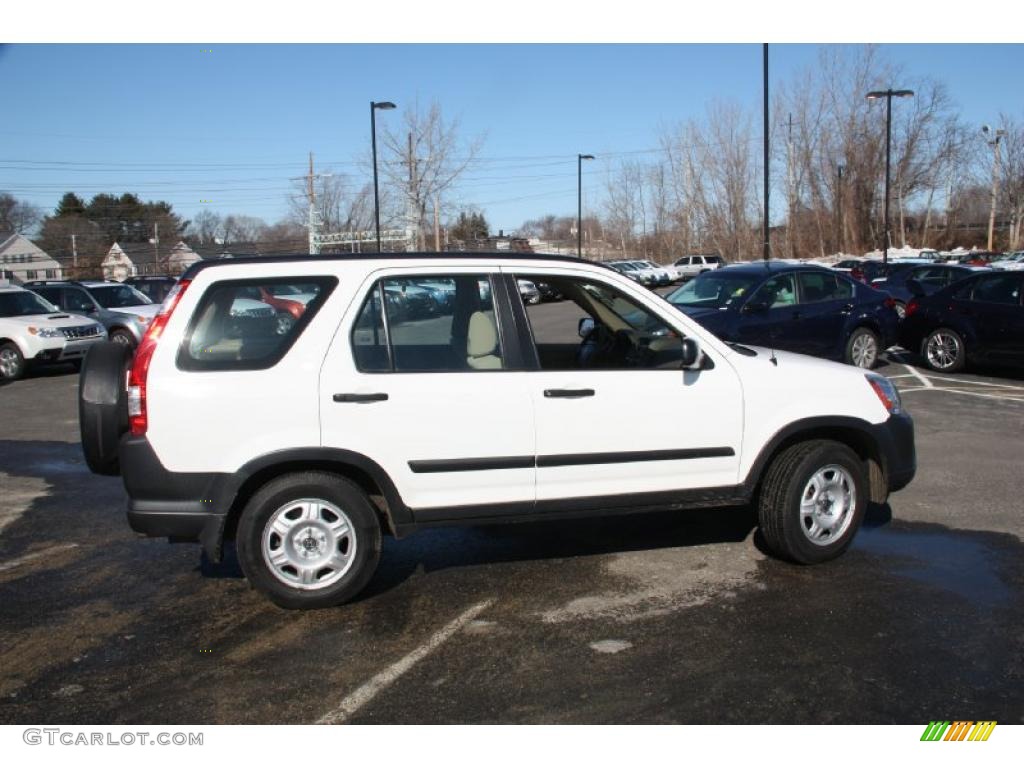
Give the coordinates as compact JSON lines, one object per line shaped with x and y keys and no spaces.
{"x":482,"y":343}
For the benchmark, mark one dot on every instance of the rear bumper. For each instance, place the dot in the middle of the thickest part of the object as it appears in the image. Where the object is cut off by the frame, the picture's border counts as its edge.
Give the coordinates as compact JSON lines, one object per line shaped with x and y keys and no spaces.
{"x":183,"y":506}
{"x":895,"y":440}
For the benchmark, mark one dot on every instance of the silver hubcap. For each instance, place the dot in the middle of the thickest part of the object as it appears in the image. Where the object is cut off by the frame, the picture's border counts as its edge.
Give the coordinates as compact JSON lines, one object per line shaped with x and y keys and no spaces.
{"x":8,"y":363}
{"x":901,"y":310}
{"x":284,"y":324}
{"x":121,"y":338}
{"x":309,"y":544}
{"x":865,"y":350}
{"x":942,"y":350}
{"x":827,"y":505}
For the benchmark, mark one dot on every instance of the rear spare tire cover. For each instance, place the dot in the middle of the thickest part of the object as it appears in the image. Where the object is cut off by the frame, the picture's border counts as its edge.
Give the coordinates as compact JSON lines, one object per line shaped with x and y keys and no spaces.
{"x":103,"y":405}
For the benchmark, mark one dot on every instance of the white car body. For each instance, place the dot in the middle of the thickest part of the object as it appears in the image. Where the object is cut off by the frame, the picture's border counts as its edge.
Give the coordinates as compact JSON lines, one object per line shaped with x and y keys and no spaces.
{"x":52,"y":336}
{"x":451,"y":445}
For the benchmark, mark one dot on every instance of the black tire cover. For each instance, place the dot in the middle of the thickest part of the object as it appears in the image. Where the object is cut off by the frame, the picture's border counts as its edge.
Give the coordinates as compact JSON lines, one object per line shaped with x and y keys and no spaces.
{"x":103,"y":405}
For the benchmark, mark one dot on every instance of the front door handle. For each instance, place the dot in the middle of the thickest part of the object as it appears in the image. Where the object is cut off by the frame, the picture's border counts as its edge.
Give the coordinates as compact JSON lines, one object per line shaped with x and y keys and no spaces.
{"x":568,"y":393}
{"x":353,"y":397}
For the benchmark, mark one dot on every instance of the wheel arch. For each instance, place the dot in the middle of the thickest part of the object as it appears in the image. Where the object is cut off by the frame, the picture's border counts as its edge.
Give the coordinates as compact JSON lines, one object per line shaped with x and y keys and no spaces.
{"x":852,"y":432}
{"x":394,"y":516}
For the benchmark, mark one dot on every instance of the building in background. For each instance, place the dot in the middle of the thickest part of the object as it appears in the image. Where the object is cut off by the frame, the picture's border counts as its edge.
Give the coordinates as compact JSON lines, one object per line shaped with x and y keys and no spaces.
{"x":22,"y":260}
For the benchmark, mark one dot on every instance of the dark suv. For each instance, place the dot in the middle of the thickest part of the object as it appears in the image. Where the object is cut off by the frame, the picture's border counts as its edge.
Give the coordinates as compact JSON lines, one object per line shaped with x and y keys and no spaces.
{"x":812,"y":310}
{"x":156,"y":287}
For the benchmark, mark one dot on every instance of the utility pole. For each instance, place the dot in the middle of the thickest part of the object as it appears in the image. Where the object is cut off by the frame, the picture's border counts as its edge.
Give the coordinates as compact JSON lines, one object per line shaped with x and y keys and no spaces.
{"x":437,"y":222}
{"x":314,"y":240}
{"x":790,"y":229}
{"x":74,"y":253}
{"x":767,"y":240}
{"x":156,"y":244}
{"x":994,"y":143}
{"x":839,"y":208}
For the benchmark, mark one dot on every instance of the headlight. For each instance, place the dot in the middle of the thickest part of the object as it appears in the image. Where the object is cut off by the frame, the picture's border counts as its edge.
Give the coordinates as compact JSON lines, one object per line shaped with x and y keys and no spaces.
{"x":886,"y":392}
{"x":143,"y":319}
{"x":44,"y":333}
{"x":97,"y":329}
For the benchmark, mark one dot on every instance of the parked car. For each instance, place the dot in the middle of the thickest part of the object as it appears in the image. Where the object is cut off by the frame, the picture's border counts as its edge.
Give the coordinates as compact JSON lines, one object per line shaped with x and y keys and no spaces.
{"x":662,"y":276}
{"x":978,"y":258}
{"x":548,"y":292}
{"x":691,"y":266}
{"x":156,"y":287}
{"x":513,"y":420}
{"x":847,"y":264}
{"x":633,"y":272}
{"x":529,"y":292}
{"x":976,"y":320}
{"x":1011,"y":261}
{"x":123,"y":311}
{"x":930,"y":277}
{"x":34,"y":332}
{"x":799,"y":308}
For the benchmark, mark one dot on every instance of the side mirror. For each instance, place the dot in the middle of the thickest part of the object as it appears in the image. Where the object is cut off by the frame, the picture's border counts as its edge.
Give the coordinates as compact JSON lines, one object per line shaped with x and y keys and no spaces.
{"x":91,"y":310}
{"x":586,"y":327}
{"x":915,"y":287}
{"x":755,"y":306}
{"x":691,"y":354}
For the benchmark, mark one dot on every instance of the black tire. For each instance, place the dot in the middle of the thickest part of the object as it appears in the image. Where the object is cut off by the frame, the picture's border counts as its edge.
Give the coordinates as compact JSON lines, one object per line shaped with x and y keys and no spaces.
{"x":280,"y":493}
{"x":941,"y":345}
{"x":283,"y":324}
{"x":863,"y":348}
{"x":782,"y":522}
{"x":12,"y":362}
{"x":122,"y":337}
{"x":103,"y":405}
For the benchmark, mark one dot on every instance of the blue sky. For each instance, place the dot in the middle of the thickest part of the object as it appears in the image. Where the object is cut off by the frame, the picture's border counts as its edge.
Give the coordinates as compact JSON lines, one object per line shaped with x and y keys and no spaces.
{"x":173,"y":122}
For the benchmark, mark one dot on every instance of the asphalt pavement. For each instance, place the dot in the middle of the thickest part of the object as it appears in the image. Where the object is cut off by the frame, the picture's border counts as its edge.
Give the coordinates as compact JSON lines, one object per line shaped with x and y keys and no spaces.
{"x":657,"y":618}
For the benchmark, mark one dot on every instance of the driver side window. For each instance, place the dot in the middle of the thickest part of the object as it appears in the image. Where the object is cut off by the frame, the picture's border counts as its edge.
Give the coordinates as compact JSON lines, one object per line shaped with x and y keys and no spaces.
{"x":597,"y":326}
{"x":776,"y":292}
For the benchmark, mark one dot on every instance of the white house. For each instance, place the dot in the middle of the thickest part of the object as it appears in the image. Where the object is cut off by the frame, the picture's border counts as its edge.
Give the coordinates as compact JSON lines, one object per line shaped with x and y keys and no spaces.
{"x":131,"y":259}
{"x":23,"y":260}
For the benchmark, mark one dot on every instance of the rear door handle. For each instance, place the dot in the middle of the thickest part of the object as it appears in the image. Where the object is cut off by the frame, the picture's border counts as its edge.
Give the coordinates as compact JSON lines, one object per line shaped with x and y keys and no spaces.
{"x":352,"y":397}
{"x":568,"y":393}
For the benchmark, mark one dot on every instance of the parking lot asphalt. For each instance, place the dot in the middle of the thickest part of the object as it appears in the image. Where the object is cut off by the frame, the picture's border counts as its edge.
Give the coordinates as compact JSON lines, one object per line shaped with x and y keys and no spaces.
{"x":652,"y":618}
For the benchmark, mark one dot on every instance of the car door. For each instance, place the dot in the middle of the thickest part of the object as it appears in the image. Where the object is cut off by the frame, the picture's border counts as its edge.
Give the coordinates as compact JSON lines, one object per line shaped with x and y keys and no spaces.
{"x":825,"y":303}
{"x":994,"y":310}
{"x":770,"y":317}
{"x":616,"y":415}
{"x":436,"y":401}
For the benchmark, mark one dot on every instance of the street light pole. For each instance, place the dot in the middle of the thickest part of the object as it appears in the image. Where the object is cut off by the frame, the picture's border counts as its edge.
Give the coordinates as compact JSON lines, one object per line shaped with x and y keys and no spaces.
{"x":839,"y":207}
{"x":994,"y":143}
{"x":374,"y":106}
{"x":579,"y":203}
{"x":888,"y":94}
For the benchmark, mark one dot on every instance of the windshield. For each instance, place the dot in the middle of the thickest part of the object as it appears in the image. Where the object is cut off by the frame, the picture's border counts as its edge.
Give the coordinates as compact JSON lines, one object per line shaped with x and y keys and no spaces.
{"x":715,"y":290}
{"x":17,"y":303}
{"x":117,"y":296}
{"x":624,"y":265}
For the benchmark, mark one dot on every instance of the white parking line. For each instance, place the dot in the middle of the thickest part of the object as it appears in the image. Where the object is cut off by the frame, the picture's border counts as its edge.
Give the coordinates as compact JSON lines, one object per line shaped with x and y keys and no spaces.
{"x":916,"y":374}
{"x":974,"y":383}
{"x":366,"y":692}
{"x":10,"y":564}
{"x":932,"y":388}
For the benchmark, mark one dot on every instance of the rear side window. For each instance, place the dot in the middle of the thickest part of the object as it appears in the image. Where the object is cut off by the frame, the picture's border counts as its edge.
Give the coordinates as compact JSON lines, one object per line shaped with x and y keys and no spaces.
{"x":249,"y":324}
{"x":821,"y":286}
{"x":428,"y":323}
{"x":997,"y":289}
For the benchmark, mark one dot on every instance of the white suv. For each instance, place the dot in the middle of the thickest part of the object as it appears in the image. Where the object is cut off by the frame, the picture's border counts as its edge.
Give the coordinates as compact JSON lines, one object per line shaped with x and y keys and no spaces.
{"x":305,"y":447}
{"x":691,"y":266}
{"x":34,"y":331}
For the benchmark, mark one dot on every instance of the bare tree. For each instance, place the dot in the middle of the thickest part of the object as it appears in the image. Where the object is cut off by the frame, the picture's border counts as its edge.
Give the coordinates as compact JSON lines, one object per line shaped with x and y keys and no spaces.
{"x":423,"y":160}
{"x":1012,"y":179}
{"x":17,"y":215}
{"x":341,"y":205}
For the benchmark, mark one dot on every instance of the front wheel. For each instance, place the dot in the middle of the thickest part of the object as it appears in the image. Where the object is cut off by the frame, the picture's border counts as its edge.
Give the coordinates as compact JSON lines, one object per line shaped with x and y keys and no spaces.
{"x":12,"y":362}
{"x":862,"y":348}
{"x":944,"y":350}
{"x":123,"y":337}
{"x":309,"y":540}
{"x":812,"y":501}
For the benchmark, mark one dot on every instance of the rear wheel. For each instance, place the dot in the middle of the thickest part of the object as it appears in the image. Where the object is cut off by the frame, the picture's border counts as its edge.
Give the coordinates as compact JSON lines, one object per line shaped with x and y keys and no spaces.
{"x":862,"y":348}
{"x":944,"y":351}
{"x":284,"y":323}
{"x":309,"y":540}
{"x":812,"y":501}
{"x":122,"y":337}
{"x":12,"y":362}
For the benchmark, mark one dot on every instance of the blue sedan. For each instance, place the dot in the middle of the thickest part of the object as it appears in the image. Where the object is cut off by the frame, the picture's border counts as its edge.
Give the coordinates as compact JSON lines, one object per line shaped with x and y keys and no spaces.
{"x":930,"y":278}
{"x":799,"y":308}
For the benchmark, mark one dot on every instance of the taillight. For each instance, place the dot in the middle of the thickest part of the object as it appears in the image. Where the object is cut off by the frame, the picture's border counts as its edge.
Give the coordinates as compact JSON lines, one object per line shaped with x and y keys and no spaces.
{"x":890,"y":303}
{"x":857,"y":274}
{"x":137,"y":416}
{"x":912,"y":306}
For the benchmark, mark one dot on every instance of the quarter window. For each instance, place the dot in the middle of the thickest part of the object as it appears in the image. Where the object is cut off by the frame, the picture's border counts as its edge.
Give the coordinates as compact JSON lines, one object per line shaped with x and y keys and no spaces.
{"x":821,"y":286}
{"x":230,"y":330}
{"x":997,"y":289}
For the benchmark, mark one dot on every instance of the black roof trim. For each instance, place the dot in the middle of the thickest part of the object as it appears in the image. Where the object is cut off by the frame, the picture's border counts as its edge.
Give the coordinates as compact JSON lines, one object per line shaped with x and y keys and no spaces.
{"x":194,"y":269}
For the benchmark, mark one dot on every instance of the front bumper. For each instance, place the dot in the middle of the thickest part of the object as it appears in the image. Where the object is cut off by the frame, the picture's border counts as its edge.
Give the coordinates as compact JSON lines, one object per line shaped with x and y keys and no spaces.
{"x":895,"y":440}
